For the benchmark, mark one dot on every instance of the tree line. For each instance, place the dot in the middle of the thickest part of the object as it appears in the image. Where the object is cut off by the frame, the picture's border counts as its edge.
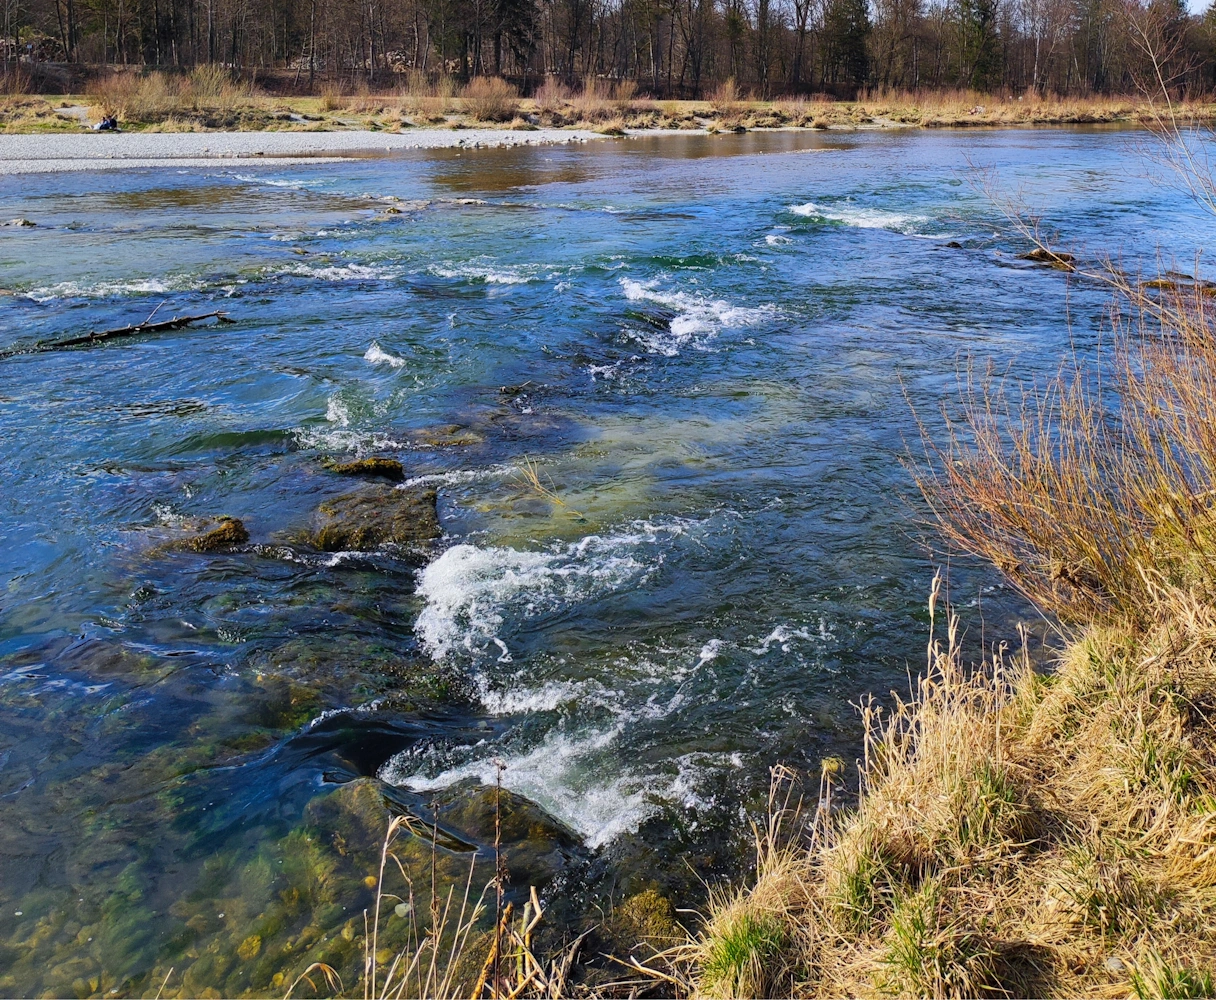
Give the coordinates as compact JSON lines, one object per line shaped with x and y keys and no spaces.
{"x":665,"y":48}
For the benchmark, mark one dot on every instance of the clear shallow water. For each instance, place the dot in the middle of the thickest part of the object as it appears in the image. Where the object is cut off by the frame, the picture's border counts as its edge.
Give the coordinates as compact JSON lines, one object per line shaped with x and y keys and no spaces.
{"x":705,"y":343}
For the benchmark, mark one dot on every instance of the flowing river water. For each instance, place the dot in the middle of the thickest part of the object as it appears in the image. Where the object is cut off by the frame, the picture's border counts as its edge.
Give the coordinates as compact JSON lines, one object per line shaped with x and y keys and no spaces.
{"x":709,"y":349}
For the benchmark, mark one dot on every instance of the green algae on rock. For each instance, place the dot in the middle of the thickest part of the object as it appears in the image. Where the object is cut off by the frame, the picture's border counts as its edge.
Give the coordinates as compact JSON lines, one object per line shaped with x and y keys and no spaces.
{"x":230,"y":531}
{"x":447,"y":436}
{"x":368,"y":520}
{"x":645,"y":918}
{"x":375,"y":467}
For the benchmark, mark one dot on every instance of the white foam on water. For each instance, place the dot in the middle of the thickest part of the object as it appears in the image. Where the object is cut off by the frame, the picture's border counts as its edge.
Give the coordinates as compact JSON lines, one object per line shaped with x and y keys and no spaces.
{"x":777,"y":240}
{"x":698,"y":318}
{"x":378,"y":356}
{"x":863,"y":218}
{"x":337,"y":412}
{"x":469,"y":590}
{"x":783,"y":635}
{"x":338,"y":437}
{"x":337,"y":272}
{"x":563,"y":774}
{"x":517,"y":701}
{"x":110,"y":289}
{"x":488,"y":271}
{"x":462,"y":476}
{"x":277,"y":181}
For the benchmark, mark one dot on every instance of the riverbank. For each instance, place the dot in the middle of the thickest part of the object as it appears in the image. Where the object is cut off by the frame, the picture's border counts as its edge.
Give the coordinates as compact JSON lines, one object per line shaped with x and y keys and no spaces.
{"x":160,"y":111}
{"x":1019,"y":833}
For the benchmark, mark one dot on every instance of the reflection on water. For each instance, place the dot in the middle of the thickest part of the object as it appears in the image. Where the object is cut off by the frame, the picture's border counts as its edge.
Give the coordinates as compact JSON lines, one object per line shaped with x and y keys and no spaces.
{"x":704,"y":344}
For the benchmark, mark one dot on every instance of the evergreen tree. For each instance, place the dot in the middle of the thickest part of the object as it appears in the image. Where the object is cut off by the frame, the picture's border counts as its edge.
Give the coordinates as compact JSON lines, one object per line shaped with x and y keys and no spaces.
{"x":846,"y":29}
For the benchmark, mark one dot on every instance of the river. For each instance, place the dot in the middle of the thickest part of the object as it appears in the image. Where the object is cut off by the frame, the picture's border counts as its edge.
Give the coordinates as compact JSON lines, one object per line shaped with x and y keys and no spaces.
{"x":708,"y":349}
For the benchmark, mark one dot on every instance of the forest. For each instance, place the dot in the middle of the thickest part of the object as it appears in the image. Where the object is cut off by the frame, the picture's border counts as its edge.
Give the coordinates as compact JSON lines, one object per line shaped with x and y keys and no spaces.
{"x":662,"y":48}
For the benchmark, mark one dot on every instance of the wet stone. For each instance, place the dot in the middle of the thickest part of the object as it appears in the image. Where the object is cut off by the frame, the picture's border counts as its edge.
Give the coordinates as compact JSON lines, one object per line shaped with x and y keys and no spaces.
{"x":1057,"y":259}
{"x":229,"y":532}
{"x":540,"y":845}
{"x":375,"y":467}
{"x":644,"y":919}
{"x":447,"y":436}
{"x":371,"y":519}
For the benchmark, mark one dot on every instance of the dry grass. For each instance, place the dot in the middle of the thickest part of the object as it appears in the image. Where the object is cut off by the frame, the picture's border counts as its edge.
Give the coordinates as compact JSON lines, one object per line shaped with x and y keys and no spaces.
{"x":210,"y":99}
{"x":455,"y":943}
{"x":155,"y":96}
{"x":430,"y":100}
{"x":491,"y":99}
{"x":1097,"y":489}
{"x":1016,"y":836}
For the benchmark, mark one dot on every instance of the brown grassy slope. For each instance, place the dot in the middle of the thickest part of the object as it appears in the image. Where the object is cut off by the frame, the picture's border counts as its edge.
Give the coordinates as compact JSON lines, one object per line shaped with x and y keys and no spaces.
{"x":1017,"y":836}
{"x":208,"y":99}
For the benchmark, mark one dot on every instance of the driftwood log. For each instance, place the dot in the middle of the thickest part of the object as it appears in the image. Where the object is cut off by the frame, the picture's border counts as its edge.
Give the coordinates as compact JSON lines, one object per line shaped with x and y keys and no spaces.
{"x":97,"y":336}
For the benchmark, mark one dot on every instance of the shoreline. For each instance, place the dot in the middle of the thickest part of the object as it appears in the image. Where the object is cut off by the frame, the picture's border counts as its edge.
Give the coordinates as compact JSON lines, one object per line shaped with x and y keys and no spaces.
{"x":38,"y":153}
{"x":56,"y":153}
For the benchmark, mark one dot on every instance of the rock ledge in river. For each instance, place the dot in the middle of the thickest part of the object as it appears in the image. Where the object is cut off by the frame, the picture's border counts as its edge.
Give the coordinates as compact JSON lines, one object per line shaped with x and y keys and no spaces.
{"x":375,"y":467}
{"x":229,"y":532}
{"x":361,"y":522}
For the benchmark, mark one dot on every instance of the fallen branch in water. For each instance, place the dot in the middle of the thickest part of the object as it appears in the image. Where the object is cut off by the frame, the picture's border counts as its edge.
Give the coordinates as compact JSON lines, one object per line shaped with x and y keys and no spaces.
{"x":96,"y":336}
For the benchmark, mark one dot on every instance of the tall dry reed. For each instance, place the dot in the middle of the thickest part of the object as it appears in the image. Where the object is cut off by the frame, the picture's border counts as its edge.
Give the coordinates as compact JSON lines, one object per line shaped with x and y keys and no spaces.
{"x":491,"y":99}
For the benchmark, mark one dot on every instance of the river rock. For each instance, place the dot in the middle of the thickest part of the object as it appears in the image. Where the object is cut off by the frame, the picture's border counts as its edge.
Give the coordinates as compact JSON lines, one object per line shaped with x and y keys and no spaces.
{"x":371,"y":519}
{"x":447,"y":436}
{"x":1057,"y":259}
{"x":645,"y":919}
{"x":24,"y":223}
{"x":230,"y":531}
{"x":540,"y":845}
{"x":374,"y":467}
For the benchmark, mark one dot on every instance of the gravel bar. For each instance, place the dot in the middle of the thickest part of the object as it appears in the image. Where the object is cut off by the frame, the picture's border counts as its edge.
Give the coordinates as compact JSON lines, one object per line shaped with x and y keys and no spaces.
{"x":24,"y":154}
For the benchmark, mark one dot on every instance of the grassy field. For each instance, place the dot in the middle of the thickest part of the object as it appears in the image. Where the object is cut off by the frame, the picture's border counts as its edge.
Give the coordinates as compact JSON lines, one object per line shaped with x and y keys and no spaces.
{"x":208,"y":100}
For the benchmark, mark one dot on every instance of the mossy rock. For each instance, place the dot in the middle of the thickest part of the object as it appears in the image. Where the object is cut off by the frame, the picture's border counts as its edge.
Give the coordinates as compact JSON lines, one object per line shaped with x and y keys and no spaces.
{"x":374,"y":467}
{"x":369,"y":520}
{"x":228,"y":533}
{"x":646,"y":918}
{"x":471,"y":807}
{"x":447,"y":436}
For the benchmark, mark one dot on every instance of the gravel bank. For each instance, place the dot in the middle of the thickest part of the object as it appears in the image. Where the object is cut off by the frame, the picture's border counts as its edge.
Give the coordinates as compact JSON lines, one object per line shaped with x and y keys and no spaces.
{"x":24,"y":154}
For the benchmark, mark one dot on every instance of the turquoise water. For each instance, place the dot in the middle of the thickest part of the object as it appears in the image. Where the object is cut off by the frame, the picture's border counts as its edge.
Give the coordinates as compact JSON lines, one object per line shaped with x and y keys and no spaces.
{"x":706,"y":345}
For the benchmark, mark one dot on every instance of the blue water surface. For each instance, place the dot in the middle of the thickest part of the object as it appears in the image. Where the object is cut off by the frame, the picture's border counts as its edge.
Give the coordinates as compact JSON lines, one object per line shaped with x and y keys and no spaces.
{"x":709,"y":349}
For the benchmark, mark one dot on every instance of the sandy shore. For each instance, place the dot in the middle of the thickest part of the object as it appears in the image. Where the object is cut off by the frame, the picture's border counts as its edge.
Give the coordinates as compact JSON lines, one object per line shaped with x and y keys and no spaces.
{"x":27,"y":154}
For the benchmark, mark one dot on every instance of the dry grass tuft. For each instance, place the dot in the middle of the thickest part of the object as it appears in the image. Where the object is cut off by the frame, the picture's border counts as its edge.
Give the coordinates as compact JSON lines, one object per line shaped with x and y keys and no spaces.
{"x":491,"y":99}
{"x":1093,"y":491}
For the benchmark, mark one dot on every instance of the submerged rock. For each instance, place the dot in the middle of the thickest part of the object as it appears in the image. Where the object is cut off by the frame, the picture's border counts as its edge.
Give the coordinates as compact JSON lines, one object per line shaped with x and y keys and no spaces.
{"x":230,"y":531}
{"x":539,"y":846}
{"x":383,"y":468}
{"x":646,"y":918}
{"x":447,"y":436}
{"x":361,"y":522}
{"x":1057,"y":259}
